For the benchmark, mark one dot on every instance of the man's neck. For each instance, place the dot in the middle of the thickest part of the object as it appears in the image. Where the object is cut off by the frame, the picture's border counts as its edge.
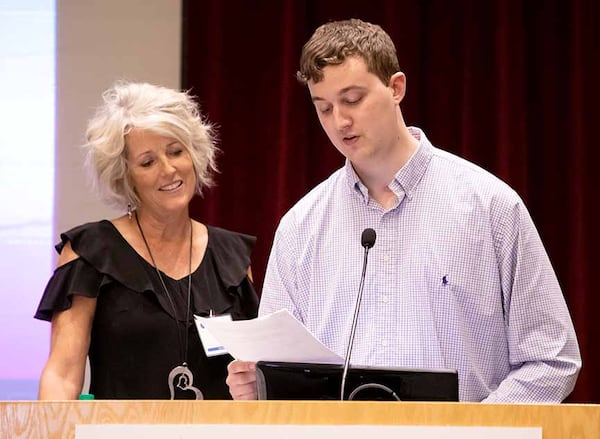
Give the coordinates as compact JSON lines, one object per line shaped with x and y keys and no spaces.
{"x":378,"y":174}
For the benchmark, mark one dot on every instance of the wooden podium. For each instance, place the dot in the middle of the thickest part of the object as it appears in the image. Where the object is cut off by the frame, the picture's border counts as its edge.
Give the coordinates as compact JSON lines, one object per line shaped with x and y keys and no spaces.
{"x":57,"y":419}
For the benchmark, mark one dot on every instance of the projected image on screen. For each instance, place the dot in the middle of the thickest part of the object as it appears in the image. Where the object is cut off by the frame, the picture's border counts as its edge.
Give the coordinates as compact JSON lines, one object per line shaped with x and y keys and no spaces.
{"x":27,"y":84}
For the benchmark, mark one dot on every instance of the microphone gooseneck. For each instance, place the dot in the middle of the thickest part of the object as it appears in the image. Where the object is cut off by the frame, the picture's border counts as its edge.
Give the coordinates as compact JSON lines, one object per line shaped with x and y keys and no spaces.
{"x":367,"y":240}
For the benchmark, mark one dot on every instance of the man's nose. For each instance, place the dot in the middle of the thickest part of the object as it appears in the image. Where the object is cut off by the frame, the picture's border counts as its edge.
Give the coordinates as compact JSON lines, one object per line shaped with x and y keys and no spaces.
{"x":341,"y":119}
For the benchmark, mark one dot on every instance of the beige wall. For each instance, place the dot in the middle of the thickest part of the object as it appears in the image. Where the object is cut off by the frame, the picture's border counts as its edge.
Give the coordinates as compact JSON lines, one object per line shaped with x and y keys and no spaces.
{"x":99,"y":41}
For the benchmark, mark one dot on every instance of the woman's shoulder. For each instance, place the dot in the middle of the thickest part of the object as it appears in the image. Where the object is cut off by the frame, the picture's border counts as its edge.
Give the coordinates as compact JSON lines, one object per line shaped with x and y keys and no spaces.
{"x":231,"y":253}
{"x":89,"y":235}
{"x":103,"y":249}
{"x":91,"y":228}
{"x":224,"y":239}
{"x":102,"y":245}
{"x":96,"y":255}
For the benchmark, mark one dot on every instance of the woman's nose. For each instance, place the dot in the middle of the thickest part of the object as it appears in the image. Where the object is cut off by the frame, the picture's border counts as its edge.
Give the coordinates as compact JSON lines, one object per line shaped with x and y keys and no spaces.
{"x":166,"y":165}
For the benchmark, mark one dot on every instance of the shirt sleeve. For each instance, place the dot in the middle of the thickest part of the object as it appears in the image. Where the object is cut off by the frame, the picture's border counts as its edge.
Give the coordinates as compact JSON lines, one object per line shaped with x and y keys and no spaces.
{"x":543,"y":350}
{"x":280,"y":285}
{"x":74,"y":278}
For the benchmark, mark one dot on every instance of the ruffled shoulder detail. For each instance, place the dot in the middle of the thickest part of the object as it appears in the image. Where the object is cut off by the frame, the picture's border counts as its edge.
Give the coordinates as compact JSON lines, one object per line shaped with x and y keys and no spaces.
{"x":102,"y":246}
{"x":231,"y":251}
{"x":104,"y":257}
{"x":76,"y":277}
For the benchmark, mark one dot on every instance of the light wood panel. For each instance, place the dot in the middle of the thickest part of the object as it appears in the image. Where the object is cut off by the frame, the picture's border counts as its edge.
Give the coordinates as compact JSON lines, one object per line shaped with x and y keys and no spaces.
{"x":43,"y":419}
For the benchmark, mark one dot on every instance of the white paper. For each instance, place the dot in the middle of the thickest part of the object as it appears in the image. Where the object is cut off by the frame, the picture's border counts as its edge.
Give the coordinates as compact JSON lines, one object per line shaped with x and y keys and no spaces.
{"x":274,"y":337}
{"x":212,"y":347}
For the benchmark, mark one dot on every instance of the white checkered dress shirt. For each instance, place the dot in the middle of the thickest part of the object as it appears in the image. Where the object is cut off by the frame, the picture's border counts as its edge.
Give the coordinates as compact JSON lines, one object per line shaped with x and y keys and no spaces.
{"x":458,"y":278}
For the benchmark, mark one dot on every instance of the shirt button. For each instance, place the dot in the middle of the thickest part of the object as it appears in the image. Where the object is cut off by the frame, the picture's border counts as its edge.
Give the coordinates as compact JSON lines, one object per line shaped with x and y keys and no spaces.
{"x":386,"y":258}
{"x":385,"y":299}
{"x":384,"y":343}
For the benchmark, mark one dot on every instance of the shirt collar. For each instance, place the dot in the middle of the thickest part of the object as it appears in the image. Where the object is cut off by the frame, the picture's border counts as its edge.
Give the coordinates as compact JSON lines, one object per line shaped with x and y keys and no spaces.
{"x":407,"y":178}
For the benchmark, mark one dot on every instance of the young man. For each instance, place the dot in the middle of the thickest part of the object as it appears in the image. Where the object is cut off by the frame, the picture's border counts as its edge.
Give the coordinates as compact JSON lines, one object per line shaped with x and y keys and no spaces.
{"x":458,"y":277}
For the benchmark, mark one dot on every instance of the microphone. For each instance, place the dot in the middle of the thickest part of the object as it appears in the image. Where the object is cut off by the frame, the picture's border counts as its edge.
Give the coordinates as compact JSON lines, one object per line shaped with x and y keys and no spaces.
{"x":367,"y":240}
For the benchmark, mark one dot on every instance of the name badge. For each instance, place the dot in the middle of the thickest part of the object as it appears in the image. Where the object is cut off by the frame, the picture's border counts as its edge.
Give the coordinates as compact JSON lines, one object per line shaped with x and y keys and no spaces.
{"x":212,"y":347}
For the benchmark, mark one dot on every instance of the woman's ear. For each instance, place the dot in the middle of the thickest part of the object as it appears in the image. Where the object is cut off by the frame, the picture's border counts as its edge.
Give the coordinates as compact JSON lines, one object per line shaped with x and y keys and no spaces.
{"x":398,"y":86}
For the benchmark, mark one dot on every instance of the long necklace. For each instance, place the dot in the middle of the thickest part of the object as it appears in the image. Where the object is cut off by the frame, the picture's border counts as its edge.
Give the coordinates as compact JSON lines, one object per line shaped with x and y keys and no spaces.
{"x":180,"y":376}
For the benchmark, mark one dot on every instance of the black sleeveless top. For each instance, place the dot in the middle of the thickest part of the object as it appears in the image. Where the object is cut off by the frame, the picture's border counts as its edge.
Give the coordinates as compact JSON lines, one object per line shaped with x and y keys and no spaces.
{"x":134,"y":341}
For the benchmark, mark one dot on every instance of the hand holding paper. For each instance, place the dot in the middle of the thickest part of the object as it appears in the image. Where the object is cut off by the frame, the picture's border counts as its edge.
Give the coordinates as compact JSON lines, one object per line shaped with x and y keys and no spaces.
{"x":274,"y":337}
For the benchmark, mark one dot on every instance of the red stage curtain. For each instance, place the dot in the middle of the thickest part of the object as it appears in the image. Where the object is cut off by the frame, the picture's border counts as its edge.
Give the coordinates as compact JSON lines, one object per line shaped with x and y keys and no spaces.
{"x":508,"y":85}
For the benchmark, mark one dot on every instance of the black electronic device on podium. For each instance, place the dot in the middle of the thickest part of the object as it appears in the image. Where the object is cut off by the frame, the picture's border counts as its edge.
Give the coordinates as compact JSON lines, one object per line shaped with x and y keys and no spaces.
{"x":310,"y":381}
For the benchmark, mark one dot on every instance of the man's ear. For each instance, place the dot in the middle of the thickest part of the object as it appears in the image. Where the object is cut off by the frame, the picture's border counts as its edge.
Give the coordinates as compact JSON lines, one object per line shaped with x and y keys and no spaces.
{"x":398,"y":86}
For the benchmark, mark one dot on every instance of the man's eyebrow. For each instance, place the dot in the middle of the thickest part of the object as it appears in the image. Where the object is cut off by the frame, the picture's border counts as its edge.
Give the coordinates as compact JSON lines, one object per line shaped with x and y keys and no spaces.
{"x":341,"y":92}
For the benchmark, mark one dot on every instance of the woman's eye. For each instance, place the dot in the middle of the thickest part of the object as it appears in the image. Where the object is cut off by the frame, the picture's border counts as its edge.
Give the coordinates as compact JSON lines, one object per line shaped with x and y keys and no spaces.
{"x":147,"y":163}
{"x":177,"y":152}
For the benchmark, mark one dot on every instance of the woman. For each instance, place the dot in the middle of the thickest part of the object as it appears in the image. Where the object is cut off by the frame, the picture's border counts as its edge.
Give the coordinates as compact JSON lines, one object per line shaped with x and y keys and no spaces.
{"x":125,"y":291}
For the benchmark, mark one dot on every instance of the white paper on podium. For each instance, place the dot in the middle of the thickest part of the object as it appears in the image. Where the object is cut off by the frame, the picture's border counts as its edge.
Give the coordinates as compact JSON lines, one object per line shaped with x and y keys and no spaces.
{"x":275,"y":337}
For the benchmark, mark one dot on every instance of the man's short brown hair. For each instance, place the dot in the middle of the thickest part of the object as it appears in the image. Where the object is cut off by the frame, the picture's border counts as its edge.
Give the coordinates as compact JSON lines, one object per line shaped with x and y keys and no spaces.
{"x":335,"y":41}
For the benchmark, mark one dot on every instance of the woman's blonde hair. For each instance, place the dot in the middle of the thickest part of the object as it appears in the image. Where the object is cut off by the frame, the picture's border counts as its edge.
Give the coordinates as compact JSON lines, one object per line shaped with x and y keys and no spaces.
{"x":162,"y":110}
